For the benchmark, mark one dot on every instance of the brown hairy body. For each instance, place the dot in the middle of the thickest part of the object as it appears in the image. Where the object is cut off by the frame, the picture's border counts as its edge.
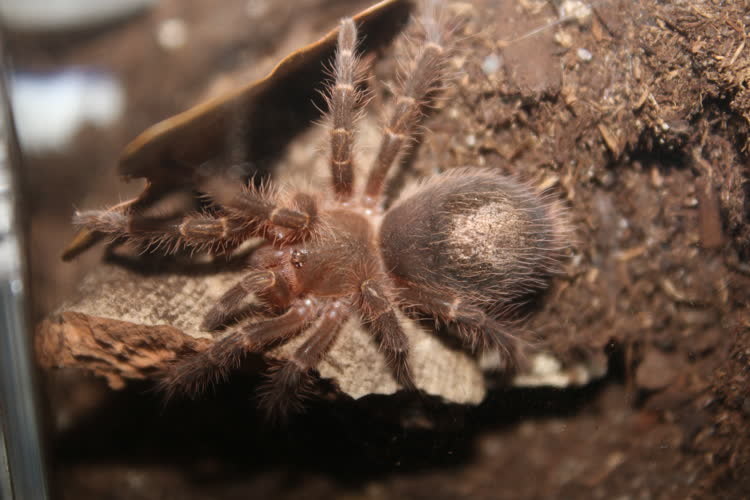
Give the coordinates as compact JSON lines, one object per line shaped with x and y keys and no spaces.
{"x":467,"y":247}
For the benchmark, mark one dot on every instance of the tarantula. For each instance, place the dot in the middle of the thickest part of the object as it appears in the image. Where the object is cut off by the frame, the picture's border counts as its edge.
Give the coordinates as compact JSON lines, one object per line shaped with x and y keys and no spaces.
{"x":466,"y":247}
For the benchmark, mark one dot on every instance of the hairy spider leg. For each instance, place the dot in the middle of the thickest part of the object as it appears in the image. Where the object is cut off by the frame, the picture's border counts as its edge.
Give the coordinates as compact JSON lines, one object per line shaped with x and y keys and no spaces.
{"x":290,"y":383}
{"x":344,"y":101}
{"x":231,"y":301}
{"x":420,"y":82}
{"x":246,"y":214}
{"x":380,"y":319}
{"x":480,"y":330}
{"x":193,"y":374}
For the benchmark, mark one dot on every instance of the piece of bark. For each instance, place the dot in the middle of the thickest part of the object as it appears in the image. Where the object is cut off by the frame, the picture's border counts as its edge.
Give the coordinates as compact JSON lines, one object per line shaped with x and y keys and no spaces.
{"x":116,"y":350}
{"x":129,"y":326}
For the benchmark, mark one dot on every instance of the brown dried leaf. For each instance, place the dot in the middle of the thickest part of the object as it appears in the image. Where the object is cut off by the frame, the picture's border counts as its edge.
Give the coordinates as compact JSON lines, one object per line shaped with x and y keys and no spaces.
{"x":250,"y":126}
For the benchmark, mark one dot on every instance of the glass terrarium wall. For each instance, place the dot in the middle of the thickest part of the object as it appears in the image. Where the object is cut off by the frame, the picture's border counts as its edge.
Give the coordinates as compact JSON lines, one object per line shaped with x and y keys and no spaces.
{"x":22,"y":461}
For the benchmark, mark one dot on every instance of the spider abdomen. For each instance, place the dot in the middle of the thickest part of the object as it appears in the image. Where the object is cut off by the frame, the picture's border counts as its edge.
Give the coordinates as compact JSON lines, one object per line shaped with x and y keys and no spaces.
{"x":474,"y":232}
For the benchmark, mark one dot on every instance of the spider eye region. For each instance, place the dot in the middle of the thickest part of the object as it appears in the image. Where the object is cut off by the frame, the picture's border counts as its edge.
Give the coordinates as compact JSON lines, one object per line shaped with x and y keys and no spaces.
{"x":299,"y":257}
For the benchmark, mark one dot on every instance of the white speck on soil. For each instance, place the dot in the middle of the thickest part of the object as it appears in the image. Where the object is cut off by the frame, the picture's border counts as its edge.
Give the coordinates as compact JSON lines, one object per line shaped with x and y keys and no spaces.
{"x":491,"y":64}
{"x":584,"y":55}
{"x":172,"y":34}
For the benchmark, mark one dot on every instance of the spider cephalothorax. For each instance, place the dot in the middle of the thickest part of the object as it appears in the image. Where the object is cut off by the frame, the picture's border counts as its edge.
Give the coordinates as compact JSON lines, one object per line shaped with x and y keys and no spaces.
{"x":465,"y":247}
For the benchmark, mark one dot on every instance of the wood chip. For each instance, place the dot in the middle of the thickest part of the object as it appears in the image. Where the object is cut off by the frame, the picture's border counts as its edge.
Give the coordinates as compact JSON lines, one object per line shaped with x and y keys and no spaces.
{"x":656,"y":371}
{"x":610,"y":140}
